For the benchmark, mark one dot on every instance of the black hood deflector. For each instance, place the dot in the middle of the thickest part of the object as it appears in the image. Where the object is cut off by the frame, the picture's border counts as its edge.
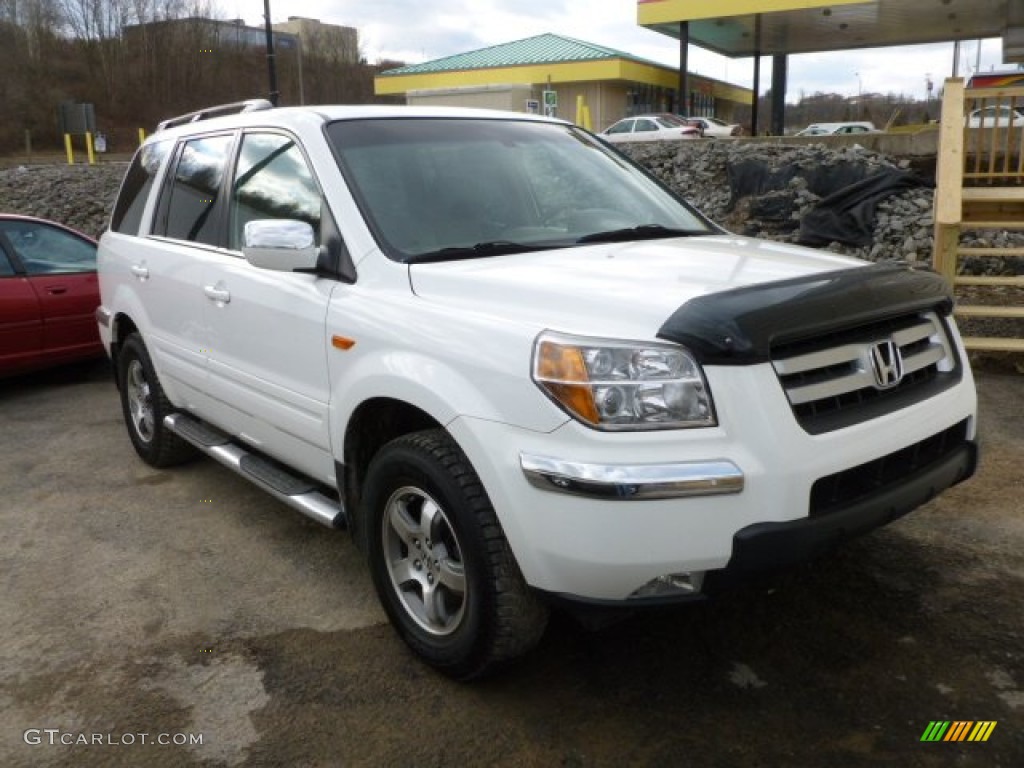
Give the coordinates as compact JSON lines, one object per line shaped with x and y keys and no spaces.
{"x":738,"y":327}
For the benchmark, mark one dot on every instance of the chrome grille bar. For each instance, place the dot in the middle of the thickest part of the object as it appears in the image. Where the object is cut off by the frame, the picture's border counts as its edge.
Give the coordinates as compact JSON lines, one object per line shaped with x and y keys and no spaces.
{"x":846,"y":369}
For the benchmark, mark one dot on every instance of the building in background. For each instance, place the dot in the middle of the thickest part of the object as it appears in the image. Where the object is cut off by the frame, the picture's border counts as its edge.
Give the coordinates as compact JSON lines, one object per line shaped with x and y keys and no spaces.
{"x":328,"y":41}
{"x":214,"y":33}
{"x":515,"y":76}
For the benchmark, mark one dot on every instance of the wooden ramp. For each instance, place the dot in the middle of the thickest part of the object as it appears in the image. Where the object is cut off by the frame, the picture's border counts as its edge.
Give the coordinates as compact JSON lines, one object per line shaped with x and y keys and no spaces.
{"x":980,"y":188}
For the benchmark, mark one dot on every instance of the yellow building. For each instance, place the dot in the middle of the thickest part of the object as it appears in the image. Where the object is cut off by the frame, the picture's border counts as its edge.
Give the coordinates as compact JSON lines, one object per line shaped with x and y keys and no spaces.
{"x":515,"y":76}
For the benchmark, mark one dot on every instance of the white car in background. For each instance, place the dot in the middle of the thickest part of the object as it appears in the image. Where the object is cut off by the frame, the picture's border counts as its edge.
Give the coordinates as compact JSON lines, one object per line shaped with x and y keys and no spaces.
{"x":714,"y":128}
{"x":998,"y":116}
{"x":838,"y":129}
{"x":649,"y":128}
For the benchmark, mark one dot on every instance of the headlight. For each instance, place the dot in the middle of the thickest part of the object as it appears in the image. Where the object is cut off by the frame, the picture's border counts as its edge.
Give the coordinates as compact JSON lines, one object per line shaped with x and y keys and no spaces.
{"x":622,"y":385}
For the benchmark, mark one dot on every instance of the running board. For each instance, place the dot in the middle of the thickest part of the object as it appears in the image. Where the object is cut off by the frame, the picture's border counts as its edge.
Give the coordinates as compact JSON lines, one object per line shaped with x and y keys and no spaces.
{"x":296,"y":491}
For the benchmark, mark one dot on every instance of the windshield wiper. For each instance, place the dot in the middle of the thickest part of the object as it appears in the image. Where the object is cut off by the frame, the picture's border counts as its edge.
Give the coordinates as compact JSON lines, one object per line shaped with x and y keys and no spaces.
{"x":642,"y":232}
{"x":489,"y":248}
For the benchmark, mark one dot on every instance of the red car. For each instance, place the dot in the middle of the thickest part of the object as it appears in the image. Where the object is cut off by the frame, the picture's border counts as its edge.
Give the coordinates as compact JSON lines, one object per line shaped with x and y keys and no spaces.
{"x":48,"y":294}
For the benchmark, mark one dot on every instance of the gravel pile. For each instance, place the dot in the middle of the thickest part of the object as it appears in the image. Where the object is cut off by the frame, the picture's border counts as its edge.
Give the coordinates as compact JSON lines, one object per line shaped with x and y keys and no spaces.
{"x":700,"y":172}
{"x":80,"y":196}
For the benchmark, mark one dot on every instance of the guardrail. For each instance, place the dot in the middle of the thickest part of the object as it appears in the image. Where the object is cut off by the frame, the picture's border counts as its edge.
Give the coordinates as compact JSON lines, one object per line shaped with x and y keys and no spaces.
{"x":980,"y":188}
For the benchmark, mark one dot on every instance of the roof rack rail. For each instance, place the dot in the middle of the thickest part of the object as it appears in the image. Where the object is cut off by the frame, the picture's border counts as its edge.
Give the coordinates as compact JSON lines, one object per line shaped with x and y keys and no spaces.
{"x":235,"y":108}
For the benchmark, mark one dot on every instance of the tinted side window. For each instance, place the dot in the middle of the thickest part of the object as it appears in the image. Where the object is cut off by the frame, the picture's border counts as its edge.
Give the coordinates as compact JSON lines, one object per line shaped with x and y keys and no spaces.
{"x":6,"y":270}
{"x":43,"y":249}
{"x":622,"y":127}
{"x":195,"y":188}
{"x":135,"y":188}
{"x":645,"y":126}
{"x":272,"y":181}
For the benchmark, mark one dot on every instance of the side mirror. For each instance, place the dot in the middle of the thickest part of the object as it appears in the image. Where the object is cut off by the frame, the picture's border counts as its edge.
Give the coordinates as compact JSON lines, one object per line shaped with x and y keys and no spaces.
{"x":283,"y":245}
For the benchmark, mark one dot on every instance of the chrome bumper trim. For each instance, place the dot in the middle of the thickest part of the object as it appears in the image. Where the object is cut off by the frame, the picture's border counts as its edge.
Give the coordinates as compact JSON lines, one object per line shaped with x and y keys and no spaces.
{"x":628,"y":482}
{"x":103,"y":316}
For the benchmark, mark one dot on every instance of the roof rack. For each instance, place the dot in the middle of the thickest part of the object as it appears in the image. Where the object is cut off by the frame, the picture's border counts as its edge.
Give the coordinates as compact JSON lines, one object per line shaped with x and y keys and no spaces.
{"x":235,"y":108}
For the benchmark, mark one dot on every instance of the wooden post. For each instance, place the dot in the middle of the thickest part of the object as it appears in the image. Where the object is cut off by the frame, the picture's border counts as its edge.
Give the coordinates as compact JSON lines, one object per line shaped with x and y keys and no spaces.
{"x":949,"y":180}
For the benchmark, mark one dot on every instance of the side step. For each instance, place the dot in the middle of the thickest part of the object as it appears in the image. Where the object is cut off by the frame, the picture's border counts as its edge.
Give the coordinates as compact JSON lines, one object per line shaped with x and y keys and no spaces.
{"x":296,"y":491}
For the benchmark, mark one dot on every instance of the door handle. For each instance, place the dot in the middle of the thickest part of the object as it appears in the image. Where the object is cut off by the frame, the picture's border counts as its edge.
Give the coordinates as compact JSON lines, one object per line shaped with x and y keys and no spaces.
{"x":140,"y":271}
{"x":217,"y":294}
{"x":56,"y":290}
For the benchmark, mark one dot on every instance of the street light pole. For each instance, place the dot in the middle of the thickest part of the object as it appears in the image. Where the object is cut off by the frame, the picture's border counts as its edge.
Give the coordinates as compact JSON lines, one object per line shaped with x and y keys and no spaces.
{"x":271,"y":63}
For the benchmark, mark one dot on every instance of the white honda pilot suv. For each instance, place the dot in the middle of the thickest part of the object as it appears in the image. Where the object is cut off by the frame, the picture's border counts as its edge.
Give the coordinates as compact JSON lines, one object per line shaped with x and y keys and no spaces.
{"x":516,"y":367}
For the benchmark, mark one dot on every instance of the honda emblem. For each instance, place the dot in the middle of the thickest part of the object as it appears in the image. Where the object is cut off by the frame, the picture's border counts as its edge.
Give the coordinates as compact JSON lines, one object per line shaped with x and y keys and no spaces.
{"x":886,"y":364}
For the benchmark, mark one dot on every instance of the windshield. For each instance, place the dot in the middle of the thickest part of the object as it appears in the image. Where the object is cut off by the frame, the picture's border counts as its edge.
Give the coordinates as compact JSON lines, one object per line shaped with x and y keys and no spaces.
{"x":462,"y":188}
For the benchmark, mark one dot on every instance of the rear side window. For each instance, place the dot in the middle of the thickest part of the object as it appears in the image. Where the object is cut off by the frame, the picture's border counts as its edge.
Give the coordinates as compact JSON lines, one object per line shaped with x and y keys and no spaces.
{"x":195,"y":188}
{"x":135,"y":189}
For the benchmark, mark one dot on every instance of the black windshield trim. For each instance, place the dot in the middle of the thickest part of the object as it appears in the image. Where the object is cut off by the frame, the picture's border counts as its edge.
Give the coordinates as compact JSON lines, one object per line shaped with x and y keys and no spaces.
{"x":642,"y":232}
{"x":480,"y":251}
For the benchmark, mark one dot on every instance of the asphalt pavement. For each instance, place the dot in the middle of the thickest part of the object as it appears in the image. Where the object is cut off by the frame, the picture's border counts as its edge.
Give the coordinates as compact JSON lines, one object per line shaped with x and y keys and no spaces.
{"x":183,"y":618}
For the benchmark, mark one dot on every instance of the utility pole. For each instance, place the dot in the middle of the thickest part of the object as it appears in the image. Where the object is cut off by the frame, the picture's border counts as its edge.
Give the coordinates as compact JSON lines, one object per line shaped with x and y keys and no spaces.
{"x":271,"y":62}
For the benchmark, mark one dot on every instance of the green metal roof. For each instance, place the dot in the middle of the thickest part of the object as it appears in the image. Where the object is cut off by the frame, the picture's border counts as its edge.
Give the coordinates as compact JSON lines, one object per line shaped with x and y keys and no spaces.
{"x":541,"y":49}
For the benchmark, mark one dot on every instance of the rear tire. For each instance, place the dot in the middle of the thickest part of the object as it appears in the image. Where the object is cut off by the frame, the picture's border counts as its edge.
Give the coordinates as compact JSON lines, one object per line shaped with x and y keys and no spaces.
{"x":440,"y":562}
{"x":145,"y":405}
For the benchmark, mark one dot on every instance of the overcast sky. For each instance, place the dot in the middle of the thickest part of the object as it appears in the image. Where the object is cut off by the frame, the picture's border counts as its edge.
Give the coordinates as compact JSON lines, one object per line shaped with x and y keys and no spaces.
{"x":414,"y":31}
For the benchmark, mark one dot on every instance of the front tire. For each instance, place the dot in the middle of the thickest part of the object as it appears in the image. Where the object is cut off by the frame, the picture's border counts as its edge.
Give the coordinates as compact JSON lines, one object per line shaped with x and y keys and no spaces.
{"x":440,"y":562}
{"x":144,"y":406}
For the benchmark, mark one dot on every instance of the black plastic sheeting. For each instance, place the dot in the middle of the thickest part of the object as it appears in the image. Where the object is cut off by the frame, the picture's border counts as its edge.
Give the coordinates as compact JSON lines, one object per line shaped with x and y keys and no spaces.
{"x":752,"y":178}
{"x":848,"y":216}
{"x":849,"y":196}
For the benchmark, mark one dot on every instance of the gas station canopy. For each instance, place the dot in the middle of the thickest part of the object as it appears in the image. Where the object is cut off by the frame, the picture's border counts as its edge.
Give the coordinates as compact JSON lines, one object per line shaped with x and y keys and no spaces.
{"x":730,"y":27}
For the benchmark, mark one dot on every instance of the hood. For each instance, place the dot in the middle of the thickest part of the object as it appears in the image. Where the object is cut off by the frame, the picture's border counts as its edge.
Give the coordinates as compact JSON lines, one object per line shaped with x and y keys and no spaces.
{"x":616,"y":288}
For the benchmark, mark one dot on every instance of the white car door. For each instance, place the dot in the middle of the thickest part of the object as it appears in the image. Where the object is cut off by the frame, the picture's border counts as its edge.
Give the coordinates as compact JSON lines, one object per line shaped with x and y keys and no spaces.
{"x":267,"y":348}
{"x":165,"y":276}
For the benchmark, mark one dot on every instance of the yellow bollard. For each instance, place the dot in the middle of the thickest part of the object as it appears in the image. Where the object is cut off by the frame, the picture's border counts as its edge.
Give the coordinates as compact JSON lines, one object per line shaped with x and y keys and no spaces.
{"x":68,"y":149}
{"x":579,"y":110}
{"x":586,"y":118}
{"x":142,"y":135}
{"x":89,"y":149}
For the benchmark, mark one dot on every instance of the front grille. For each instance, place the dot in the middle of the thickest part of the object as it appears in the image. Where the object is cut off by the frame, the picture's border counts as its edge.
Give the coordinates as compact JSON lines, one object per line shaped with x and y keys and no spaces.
{"x":831,"y":493}
{"x":831,"y":382}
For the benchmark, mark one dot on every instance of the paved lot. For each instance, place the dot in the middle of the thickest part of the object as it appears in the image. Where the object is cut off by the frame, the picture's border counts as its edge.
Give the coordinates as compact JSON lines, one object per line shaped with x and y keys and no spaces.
{"x":185,"y":604}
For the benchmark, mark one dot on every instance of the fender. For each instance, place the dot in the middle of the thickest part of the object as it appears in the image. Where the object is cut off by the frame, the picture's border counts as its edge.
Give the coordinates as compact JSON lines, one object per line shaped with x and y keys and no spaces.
{"x":436,"y":387}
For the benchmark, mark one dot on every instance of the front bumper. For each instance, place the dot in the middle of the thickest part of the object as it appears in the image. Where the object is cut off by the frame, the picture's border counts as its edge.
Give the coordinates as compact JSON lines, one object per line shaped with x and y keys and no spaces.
{"x":769,"y":545}
{"x":617,"y":512}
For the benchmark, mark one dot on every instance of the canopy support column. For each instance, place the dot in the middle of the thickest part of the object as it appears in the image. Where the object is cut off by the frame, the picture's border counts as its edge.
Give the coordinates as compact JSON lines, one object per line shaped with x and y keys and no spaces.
{"x":780,"y":64}
{"x":683,"y":107}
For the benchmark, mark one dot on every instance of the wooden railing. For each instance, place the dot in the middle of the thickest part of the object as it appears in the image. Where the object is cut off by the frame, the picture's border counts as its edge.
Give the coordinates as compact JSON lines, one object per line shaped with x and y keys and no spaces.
{"x":980,"y":186}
